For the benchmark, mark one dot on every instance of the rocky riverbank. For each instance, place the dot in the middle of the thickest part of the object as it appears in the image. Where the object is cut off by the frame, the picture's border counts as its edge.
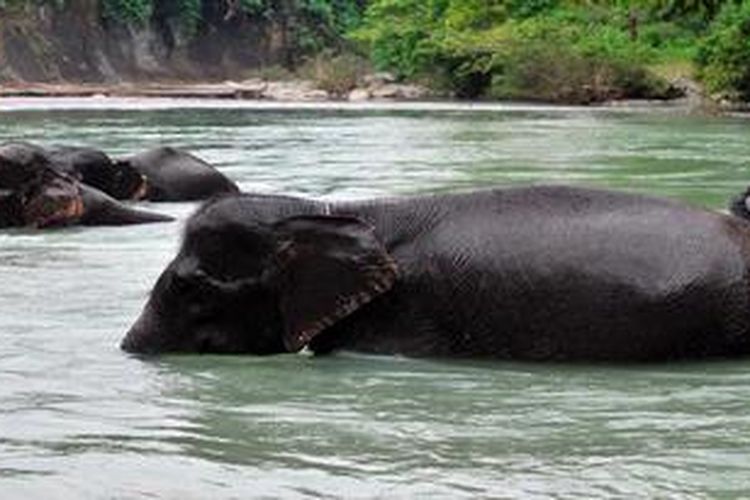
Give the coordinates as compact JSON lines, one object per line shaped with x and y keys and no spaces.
{"x":376,"y":87}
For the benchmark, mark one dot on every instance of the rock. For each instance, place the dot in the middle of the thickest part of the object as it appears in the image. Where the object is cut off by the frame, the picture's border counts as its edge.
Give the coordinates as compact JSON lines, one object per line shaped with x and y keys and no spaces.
{"x":413,"y":92}
{"x":301,"y":90}
{"x":316,"y":95}
{"x":359,"y":95}
{"x":379,"y":79}
{"x":253,"y":82}
{"x":695,"y":97}
{"x":251,"y":89}
{"x":147,"y":50}
{"x":390,"y":91}
{"x":44,"y":42}
{"x":688,"y":86}
{"x":398,"y":91}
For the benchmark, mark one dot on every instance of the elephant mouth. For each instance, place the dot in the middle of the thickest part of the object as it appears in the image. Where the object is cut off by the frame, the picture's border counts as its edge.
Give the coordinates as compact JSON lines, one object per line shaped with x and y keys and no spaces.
{"x":56,"y":205}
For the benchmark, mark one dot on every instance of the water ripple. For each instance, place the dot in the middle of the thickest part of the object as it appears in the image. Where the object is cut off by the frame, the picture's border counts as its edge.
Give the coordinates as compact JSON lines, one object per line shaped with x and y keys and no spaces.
{"x":80,"y":419}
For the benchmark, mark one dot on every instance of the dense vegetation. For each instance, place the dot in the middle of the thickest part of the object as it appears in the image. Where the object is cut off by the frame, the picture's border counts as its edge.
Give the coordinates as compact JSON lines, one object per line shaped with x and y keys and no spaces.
{"x":561,"y":50}
{"x":553,"y":50}
{"x":336,"y":14}
{"x":312,"y":24}
{"x":724,"y":55}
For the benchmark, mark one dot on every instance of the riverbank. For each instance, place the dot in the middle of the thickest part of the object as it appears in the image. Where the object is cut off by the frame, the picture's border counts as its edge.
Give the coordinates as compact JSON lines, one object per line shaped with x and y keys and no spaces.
{"x":375,"y":88}
{"x":550,"y":52}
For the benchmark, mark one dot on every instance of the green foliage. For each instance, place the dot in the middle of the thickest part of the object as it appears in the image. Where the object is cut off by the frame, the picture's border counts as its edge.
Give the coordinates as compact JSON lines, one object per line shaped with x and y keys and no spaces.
{"x":538,"y":69}
{"x":561,"y":50}
{"x":574,"y":50}
{"x":187,"y":12}
{"x":553,"y":58}
{"x":679,"y":8}
{"x":544,"y":49}
{"x":337,"y":15}
{"x":128,"y":11}
{"x":402,"y":33}
{"x":253,"y":7}
{"x":337,"y":74}
{"x":313,"y":24}
{"x":190,"y":14}
{"x":724,"y":56}
{"x":325,"y":21}
{"x":522,"y":9}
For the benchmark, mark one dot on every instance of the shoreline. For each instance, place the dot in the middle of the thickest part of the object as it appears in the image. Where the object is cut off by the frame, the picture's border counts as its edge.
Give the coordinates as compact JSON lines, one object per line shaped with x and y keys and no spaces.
{"x":253,"y":89}
{"x":261,"y":93}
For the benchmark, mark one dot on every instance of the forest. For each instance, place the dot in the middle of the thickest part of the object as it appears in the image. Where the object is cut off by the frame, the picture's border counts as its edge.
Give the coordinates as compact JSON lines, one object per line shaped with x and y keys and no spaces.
{"x":557,"y":50}
{"x":547,"y":50}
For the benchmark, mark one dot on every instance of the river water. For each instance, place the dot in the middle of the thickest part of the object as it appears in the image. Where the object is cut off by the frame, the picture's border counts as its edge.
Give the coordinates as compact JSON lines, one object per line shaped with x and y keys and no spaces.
{"x":81,"y":419}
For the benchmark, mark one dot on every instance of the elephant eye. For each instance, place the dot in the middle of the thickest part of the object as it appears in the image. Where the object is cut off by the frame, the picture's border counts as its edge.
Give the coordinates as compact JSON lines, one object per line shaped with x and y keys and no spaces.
{"x":181,"y":282}
{"x":199,"y":310}
{"x":188,"y":287}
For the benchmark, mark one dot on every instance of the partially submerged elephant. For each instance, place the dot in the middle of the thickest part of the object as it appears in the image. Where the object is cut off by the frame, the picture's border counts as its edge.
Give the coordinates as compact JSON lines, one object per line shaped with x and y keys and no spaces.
{"x":176,"y":175}
{"x":534,"y":273}
{"x":96,"y":169}
{"x":35,"y":194}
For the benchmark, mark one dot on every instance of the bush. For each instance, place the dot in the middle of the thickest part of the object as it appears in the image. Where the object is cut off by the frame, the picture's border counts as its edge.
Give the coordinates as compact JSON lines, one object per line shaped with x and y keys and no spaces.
{"x":560,"y":73}
{"x":399,"y":34}
{"x":128,"y":11}
{"x":517,"y":49}
{"x":311,"y":25}
{"x":336,"y":74}
{"x":556,"y":57}
{"x":724,"y":55}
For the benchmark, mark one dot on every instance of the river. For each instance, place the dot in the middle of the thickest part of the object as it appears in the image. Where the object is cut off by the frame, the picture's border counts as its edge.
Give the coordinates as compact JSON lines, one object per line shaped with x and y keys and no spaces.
{"x":81,"y":419}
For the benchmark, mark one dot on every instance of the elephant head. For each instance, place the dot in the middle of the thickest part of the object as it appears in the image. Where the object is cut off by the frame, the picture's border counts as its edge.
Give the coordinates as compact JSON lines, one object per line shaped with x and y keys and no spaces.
{"x":34,"y":194}
{"x":93,"y":167}
{"x":260,"y":285}
{"x":57,"y":202}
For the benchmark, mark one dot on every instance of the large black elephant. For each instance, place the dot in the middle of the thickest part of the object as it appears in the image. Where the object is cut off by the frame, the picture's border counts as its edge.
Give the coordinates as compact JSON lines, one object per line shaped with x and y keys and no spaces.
{"x":532,"y":273}
{"x":33,"y":193}
{"x":176,"y":175}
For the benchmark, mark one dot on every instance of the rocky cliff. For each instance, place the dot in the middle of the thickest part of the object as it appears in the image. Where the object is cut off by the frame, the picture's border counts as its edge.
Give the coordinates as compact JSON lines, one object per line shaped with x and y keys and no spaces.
{"x":76,"y":43}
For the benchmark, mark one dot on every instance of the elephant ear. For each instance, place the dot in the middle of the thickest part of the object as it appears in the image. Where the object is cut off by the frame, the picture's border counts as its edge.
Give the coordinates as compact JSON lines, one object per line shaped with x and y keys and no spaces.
{"x":328,"y":268}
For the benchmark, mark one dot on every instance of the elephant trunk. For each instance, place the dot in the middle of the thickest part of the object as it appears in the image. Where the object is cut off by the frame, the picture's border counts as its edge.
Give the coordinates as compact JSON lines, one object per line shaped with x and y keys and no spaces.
{"x":100,"y":208}
{"x":134,"y":339}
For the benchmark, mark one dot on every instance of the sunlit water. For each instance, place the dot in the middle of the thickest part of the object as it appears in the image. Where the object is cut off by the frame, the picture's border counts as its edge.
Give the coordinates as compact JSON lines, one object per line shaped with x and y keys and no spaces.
{"x":80,"y":419}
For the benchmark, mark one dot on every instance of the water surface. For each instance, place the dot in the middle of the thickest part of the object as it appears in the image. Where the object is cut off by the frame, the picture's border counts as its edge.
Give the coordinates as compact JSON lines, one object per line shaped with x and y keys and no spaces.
{"x":80,"y":419}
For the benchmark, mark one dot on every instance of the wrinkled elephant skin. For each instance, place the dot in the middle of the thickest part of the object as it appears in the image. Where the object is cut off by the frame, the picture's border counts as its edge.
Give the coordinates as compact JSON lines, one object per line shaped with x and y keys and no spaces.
{"x":537,"y":273}
{"x":176,"y":175}
{"x":94,"y":168}
{"x":33,"y":193}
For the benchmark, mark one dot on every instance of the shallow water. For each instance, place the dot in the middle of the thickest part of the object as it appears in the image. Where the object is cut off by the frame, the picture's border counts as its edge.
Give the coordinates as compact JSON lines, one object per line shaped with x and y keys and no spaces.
{"x":80,"y":419}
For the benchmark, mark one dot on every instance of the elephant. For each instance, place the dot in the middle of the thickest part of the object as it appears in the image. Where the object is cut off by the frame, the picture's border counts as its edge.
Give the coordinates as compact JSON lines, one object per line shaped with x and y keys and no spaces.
{"x":35,"y":194}
{"x":96,"y":169}
{"x":176,"y":175}
{"x":534,"y":273}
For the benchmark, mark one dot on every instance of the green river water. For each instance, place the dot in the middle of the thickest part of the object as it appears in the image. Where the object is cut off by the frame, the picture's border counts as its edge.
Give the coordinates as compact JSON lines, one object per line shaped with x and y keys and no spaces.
{"x":81,"y":419}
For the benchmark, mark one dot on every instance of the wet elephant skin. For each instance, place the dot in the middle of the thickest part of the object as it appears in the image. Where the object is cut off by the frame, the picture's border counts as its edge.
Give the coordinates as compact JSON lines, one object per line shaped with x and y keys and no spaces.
{"x":536,"y":273}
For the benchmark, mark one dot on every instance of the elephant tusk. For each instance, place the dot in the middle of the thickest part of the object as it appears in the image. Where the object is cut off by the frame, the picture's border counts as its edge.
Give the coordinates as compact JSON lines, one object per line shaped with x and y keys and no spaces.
{"x":142,"y":192}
